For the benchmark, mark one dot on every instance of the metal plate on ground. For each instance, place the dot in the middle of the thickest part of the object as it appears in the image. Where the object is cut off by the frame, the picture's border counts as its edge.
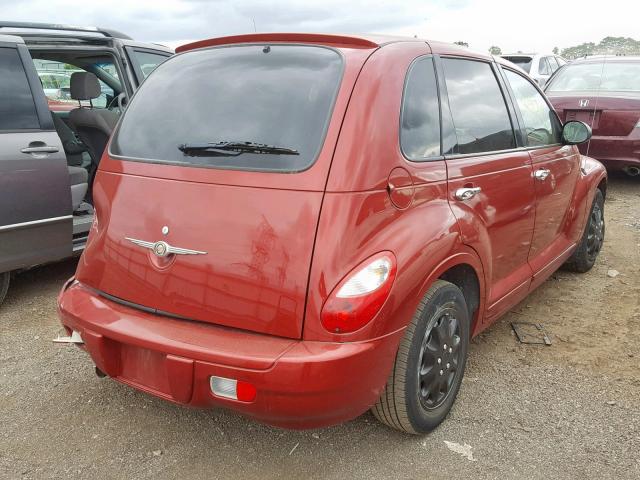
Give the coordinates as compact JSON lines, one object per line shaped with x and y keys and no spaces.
{"x":531,"y":333}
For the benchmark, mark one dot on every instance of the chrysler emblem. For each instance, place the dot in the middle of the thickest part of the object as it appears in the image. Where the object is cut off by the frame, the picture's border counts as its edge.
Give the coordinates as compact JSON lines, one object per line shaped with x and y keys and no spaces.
{"x":163,"y":249}
{"x":584,"y":102}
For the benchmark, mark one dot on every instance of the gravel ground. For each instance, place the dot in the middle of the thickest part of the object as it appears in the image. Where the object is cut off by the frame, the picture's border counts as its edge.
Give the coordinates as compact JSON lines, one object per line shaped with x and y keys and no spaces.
{"x":570,"y":410}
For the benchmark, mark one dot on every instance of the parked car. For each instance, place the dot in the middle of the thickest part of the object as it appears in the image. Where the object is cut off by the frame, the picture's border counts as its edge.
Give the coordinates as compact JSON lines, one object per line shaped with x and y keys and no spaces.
{"x":603,"y":92}
{"x":312,"y":240}
{"x":47,"y":160}
{"x":539,"y":66}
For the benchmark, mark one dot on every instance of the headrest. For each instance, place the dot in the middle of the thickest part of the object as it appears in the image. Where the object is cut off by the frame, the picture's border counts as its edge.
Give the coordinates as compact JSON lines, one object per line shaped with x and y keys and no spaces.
{"x":84,"y":86}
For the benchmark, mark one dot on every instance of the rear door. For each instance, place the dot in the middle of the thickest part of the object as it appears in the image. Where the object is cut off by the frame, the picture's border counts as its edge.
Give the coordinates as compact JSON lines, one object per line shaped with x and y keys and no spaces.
{"x":35,"y":212}
{"x":490,"y":185}
{"x":243,"y":223}
{"x":556,"y":168}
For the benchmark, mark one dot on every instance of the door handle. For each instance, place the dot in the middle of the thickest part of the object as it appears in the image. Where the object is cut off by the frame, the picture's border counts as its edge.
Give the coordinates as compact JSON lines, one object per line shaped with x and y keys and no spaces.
{"x":467,"y":193}
{"x":541,"y":174}
{"x":40,"y":149}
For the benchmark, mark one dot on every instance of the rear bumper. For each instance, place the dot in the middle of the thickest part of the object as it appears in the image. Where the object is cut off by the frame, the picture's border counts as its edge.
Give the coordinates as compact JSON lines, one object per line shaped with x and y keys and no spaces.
{"x":615,"y":152}
{"x":300,"y":384}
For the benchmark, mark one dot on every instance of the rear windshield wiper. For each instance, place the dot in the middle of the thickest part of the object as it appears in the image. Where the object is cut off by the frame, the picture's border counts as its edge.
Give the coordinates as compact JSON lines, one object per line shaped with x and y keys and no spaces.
{"x":233,"y":149}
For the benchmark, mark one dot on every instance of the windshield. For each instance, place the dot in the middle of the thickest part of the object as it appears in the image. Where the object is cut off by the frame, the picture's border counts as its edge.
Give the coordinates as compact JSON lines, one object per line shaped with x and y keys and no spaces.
{"x":612,"y":76}
{"x":277,"y":95}
{"x":523,"y":62}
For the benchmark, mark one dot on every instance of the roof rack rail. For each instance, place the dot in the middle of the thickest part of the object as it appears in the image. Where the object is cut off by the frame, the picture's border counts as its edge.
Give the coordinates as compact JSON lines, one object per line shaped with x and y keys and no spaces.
{"x":67,"y":28}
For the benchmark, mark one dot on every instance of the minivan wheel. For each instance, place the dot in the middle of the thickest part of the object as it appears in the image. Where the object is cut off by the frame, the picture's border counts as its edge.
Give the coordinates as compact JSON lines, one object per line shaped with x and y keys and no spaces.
{"x":591,"y":243}
{"x":429,"y":364}
{"x":4,"y":285}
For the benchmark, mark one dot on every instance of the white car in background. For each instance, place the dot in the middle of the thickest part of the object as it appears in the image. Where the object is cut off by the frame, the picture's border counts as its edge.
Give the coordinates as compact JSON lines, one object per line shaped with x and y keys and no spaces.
{"x":539,"y":66}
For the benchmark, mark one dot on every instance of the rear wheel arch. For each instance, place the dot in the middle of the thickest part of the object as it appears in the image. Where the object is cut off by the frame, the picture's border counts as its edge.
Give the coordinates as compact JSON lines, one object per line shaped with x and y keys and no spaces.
{"x":465,"y":270}
{"x":466,"y":279}
{"x":602,"y":186}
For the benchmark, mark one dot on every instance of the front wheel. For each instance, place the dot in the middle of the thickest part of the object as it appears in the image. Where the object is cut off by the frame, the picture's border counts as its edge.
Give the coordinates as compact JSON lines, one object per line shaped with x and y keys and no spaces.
{"x":590,"y":245}
{"x":430,"y":363}
{"x":4,"y":285}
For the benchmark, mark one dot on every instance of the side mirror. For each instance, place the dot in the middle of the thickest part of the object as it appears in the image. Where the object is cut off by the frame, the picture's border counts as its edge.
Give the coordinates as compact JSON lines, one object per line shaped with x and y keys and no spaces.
{"x":574,"y":133}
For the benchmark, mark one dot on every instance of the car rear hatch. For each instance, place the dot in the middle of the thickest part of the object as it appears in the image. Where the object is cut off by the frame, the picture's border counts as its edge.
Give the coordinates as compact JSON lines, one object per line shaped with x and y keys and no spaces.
{"x":606,"y":114}
{"x":208,"y":200}
{"x":523,"y":61}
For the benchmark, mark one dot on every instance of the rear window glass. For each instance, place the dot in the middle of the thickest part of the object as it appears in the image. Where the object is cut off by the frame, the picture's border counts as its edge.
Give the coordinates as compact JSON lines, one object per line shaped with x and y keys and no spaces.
{"x":593,"y":77}
{"x":278,"y":95}
{"x":523,"y":62}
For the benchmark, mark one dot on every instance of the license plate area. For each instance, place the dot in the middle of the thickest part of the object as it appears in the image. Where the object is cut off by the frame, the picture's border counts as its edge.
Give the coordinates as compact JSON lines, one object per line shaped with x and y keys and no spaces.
{"x":144,"y":368}
{"x":589,"y":117}
{"x":163,"y":374}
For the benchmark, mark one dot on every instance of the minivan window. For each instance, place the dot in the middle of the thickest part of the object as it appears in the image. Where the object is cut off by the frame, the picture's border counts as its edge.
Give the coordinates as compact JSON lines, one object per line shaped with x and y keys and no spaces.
{"x":480,"y":116}
{"x":543,"y":66}
{"x":269,"y":96}
{"x":148,"y":61}
{"x":17,"y":109}
{"x":420,"y":119}
{"x":541,"y":124}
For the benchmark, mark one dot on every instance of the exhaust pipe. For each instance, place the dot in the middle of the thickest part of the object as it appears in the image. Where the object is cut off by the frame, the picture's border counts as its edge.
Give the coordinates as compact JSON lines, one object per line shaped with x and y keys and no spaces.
{"x":632,"y":171}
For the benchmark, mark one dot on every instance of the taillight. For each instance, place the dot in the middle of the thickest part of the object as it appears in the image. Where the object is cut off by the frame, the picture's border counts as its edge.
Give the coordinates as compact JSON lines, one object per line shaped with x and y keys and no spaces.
{"x":359,"y":297}
{"x":232,"y":389}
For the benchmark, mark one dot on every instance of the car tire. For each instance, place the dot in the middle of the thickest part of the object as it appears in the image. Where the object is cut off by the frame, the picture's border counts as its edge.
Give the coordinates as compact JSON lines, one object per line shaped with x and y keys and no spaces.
{"x":429,"y":364}
{"x":590,"y":245}
{"x":5,"y":277}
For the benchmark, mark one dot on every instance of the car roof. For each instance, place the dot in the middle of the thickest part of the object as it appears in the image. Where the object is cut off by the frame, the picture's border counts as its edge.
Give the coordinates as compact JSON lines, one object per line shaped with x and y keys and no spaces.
{"x":11,"y":39}
{"x":34,"y":33}
{"x":371,"y":41}
{"x":608,"y":58}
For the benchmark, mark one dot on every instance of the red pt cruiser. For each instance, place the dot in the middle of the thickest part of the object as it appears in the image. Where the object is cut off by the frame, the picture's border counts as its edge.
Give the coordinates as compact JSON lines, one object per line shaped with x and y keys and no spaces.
{"x":302,"y":227}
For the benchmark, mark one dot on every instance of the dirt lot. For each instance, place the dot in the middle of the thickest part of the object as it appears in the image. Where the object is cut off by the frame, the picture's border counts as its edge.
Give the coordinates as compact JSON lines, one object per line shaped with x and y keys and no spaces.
{"x":570,"y":410}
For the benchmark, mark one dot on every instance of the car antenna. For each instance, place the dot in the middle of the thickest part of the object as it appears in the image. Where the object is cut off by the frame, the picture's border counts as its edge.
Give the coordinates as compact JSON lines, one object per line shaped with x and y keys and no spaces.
{"x":595,"y":104}
{"x":255,"y":30}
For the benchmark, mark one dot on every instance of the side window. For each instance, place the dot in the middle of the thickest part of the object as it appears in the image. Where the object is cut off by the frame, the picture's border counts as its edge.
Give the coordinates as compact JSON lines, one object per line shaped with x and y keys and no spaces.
{"x":553,"y":63}
{"x":540,"y":122}
{"x":543,"y":66}
{"x":17,"y":109}
{"x":480,"y":116}
{"x":56,"y":81}
{"x":148,"y":61}
{"x":420,"y":118}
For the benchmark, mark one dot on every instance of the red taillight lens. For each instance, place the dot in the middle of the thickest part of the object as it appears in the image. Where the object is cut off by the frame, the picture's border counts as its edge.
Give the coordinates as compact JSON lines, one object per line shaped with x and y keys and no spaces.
{"x":233,"y":389}
{"x":359,"y":297}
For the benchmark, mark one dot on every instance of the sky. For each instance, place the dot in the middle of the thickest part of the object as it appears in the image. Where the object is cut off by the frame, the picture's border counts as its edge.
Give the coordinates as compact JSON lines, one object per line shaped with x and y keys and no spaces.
{"x":512,"y":25}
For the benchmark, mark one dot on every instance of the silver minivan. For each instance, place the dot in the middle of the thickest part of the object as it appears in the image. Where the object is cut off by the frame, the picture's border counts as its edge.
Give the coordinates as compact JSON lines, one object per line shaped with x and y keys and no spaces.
{"x":51,"y":139}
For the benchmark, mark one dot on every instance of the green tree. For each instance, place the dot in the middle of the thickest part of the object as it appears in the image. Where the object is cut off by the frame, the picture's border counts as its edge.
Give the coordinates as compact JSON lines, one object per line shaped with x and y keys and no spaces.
{"x":462,"y":44}
{"x":555,"y":50}
{"x":493,"y":50}
{"x":607,"y":46}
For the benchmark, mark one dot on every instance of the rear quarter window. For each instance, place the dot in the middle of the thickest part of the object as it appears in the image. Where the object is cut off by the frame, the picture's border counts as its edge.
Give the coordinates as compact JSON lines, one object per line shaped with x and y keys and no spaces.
{"x":278,"y":95}
{"x":420,"y":118}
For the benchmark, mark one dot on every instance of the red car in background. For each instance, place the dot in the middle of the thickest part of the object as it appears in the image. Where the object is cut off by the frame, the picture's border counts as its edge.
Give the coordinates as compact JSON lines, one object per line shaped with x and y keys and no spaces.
{"x":316,"y":225}
{"x":603,"y":92}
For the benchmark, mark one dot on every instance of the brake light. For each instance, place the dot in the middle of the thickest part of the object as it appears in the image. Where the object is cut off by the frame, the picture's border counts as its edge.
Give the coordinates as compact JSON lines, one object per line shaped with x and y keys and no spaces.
{"x":359,"y":297}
